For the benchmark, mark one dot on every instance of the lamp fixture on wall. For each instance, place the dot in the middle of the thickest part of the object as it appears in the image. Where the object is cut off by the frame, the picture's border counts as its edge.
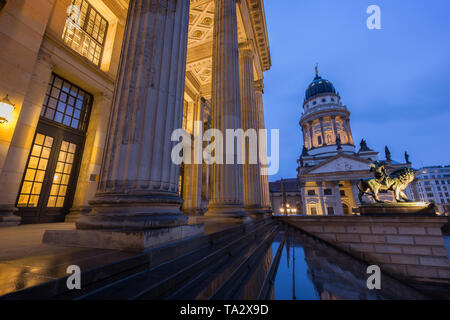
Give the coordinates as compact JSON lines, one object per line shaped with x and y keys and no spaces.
{"x":6,"y":109}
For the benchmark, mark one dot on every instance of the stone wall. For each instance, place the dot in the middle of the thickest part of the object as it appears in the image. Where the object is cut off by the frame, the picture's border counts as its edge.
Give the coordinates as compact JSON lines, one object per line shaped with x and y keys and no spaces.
{"x":410,"y":247}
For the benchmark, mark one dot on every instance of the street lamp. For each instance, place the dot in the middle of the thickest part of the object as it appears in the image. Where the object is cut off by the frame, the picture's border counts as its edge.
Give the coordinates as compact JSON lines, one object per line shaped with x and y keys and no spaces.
{"x":6,"y":109}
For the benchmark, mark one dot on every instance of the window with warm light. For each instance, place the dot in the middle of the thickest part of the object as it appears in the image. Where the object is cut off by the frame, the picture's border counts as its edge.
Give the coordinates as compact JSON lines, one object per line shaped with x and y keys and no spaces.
{"x":85,"y":30}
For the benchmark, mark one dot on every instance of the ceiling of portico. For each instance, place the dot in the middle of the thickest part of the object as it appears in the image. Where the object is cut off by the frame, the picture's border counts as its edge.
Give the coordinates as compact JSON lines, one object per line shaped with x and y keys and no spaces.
{"x":200,"y":40}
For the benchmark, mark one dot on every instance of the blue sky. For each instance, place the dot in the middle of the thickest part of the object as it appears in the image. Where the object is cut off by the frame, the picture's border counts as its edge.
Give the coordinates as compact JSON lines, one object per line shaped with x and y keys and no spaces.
{"x":395,"y":81}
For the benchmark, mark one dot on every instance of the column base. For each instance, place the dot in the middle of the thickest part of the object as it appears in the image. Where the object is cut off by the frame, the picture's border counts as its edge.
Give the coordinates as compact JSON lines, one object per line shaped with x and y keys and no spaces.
{"x":255,"y":211}
{"x":7,"y":216}
{"x":194,"y":212}
{"x":76,"y":212}
{"x":134,"y":212}
{"x":226,"y":213}
{"x":122,"y":240}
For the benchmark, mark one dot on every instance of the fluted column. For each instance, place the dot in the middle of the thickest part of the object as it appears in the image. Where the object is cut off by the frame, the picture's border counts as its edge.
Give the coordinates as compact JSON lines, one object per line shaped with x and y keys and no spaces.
{"x":311,"y":134}
{"x":193,"y":172}
{"x":264,"y":179}
{"x":322,"y":131}
{"x":304,"y":138}
{"x":249,"y":117}
{"x":340,"y":211}
{"x":322,"y":197}
{"x":226,"y":194}
{"x":355,"y":193}
{"x":349,"y":131}
{"x":138,"y":187}
{"x":336,"y":133}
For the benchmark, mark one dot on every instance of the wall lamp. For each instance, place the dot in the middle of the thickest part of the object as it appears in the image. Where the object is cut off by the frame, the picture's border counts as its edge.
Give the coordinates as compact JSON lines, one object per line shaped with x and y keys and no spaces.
{"x":6,"y":109}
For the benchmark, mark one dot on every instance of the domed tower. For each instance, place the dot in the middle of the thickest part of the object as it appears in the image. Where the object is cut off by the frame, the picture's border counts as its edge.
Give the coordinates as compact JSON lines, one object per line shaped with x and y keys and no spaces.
{"x":325,"y":122}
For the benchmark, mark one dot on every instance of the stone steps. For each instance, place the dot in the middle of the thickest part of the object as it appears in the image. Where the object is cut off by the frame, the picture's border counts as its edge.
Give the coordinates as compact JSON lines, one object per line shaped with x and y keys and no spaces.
{"x":234,"y":287}
{"x":160,"y":281}
{"x":205,"y":250}
{"x":206,"y":284}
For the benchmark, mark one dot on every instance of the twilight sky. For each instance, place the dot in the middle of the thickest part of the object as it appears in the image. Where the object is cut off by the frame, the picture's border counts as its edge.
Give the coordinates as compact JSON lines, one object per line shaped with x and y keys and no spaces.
{"x":395,"y":81}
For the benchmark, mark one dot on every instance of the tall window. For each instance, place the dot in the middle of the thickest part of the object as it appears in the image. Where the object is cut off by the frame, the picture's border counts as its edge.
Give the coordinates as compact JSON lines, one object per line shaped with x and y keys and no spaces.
{"x":85,"y":31}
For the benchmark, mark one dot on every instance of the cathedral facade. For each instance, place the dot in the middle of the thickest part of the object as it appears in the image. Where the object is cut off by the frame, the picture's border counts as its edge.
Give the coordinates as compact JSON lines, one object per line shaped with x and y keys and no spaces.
{"x":330,"y":165}
{"x":96,"y":88}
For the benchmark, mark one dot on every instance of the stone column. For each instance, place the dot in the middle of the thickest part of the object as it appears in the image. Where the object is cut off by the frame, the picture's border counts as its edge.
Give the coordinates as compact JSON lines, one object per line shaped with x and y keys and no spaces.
{"x":321,"y":197}
{"x":335,"y":128}
{"x":322,"y":131}
{"x":226,"y":194}
{"x":349,"y":131}
{"x":262,"y":147}
{"x":302,"y":186}
{"x":311,"y":135}
{"x":304,"y":138}
{"x":355,"y":192}
{"x":92,"y":156}
{"x":249,"y":117}
{"x":138,"y":187}
{"x":193,"y":172}
{"x":340,"y":211}
{"x":19,"y":149}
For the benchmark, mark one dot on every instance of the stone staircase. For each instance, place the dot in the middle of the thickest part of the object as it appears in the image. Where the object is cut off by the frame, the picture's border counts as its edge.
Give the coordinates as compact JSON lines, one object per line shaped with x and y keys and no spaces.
{"x":235,"y":263}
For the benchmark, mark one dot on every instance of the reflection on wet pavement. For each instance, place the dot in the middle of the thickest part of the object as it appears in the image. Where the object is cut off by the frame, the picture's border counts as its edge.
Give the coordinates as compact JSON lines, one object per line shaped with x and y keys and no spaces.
{"x":311,"y":270}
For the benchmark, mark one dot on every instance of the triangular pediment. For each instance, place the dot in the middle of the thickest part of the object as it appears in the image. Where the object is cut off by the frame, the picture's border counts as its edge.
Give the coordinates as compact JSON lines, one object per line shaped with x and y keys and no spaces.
{"x":341,"y":163}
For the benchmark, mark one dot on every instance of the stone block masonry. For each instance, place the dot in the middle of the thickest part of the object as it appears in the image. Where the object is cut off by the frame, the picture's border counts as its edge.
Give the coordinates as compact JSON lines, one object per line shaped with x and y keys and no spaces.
{"x":409,"y":247}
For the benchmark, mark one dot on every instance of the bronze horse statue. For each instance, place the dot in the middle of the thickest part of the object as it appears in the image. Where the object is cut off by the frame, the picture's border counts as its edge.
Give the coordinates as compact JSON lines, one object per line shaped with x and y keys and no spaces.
{"x":397,"y":181}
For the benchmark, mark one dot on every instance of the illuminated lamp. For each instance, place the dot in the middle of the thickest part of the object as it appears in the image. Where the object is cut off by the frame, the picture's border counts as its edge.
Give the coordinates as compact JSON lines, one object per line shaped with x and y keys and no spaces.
{"x":6,"y":109}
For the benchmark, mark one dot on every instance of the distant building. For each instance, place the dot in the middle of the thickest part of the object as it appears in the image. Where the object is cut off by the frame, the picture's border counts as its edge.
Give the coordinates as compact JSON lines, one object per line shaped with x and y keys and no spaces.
{"x":285,"y":197}
{"x":330,"y":167}
{"x":433,"y":185}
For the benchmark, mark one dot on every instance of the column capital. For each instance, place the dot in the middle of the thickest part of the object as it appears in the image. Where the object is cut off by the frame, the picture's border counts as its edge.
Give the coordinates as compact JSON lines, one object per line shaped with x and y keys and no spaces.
{"x":259,"y":86}
{"x":245,"y":49}
{"x":245,"y":45}
{"x":46,"y":58}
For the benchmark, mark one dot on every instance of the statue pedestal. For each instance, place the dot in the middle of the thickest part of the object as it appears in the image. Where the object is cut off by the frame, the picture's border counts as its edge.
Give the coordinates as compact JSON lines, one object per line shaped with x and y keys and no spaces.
{"x":421,"y":209}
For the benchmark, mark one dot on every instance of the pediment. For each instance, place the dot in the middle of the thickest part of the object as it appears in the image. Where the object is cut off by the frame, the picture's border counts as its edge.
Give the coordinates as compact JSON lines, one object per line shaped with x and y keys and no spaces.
{"x":340,"y":164}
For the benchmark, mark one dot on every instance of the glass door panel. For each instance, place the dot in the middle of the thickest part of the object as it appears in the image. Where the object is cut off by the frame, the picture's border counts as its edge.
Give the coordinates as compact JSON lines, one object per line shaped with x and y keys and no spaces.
{"x":35,"y":172}
{"x":61,"y":177}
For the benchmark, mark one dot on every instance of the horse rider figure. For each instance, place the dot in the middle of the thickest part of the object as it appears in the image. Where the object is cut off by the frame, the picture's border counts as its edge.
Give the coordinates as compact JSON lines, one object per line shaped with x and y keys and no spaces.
{"x":380,"y":173}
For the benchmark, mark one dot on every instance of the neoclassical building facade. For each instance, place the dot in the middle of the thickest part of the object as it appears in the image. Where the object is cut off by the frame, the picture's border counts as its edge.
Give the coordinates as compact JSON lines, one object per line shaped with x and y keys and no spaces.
{"x":98,"y":87}
{"x":330,"y":166}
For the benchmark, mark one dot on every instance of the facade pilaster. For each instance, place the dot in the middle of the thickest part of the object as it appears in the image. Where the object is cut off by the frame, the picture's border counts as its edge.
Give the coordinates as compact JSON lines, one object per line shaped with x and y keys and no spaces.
{"x":15,"y":162}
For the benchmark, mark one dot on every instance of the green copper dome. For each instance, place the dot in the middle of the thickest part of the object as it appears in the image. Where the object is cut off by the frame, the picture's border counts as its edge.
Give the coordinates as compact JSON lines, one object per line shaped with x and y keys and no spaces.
{"x":319,"y":86}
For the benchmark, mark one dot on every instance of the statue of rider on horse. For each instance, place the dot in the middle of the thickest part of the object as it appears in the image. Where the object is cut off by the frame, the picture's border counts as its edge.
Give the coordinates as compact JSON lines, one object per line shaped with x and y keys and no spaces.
{"x":397,"y":182}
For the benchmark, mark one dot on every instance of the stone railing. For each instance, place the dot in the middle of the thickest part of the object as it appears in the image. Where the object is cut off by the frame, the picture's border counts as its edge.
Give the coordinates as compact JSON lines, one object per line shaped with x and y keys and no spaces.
{"x":410,"y":247}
